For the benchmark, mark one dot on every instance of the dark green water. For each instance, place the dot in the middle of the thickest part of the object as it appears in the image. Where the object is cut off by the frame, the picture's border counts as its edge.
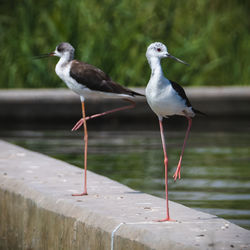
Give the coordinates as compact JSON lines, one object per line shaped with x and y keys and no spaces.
{"x":215,"y":173}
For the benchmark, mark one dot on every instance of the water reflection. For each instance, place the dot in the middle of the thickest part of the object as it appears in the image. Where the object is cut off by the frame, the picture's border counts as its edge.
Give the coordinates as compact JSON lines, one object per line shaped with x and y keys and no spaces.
{"x":215,"y":173}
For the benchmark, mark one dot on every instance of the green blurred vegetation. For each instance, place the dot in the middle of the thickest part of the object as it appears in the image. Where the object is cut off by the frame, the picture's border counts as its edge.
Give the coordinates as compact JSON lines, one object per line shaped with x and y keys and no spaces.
{"x":213,"y":36}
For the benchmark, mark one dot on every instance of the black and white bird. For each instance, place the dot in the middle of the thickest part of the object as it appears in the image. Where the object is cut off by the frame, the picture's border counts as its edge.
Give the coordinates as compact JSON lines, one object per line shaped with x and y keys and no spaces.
{"x":166,"y":98}
{"x":87,"y":80}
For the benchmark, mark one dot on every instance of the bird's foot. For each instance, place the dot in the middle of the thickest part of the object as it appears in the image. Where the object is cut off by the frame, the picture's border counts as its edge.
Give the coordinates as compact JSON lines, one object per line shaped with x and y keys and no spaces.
{"x":166,"y":219}
{"x":80,"y":123}
{"x":77,"y":125}
{"x":82,"y":194}
{"x":177,"y":173}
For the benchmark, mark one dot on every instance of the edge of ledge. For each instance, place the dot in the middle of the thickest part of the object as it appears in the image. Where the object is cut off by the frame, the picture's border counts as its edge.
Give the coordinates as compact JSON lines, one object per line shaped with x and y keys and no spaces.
{"x":38,"y":211}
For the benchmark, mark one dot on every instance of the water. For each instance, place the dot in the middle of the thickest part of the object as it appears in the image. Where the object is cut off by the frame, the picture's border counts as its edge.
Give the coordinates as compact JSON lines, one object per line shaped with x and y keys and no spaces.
{"x":215,"y":173}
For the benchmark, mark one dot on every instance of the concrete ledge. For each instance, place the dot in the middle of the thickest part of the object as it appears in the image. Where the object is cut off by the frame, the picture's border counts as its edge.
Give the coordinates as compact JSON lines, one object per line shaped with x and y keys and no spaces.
{"x":63,"y":103}
{"x":37,"y":211}
{"x":60,"y":109}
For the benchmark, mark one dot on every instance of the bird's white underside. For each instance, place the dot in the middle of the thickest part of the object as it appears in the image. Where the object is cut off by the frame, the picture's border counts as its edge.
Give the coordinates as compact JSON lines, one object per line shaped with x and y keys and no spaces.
{"x":164,"y":100}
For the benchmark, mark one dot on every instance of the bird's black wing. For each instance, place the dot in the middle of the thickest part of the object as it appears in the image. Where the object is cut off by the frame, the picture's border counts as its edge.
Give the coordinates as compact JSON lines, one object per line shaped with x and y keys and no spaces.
{"x":95,"y":79}
{"x":180,"y":92}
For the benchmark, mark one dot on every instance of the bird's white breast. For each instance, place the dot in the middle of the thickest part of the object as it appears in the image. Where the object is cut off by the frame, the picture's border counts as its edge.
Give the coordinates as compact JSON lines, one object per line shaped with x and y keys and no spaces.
{"x":163,"y":99}
{"x":63,"y":71}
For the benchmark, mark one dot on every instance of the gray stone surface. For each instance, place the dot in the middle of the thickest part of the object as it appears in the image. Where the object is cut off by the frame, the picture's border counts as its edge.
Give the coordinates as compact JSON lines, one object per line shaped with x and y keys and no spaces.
{"x":37,"y":211}
{"x":61,"y":103}
{"x":60,"y":109}
{"x":54,"y":104}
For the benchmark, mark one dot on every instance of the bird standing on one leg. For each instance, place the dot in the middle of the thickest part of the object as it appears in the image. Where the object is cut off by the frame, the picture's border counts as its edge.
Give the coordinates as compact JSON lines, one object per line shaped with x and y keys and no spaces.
{"x":86,"y":80}
{"x":166,"y":98}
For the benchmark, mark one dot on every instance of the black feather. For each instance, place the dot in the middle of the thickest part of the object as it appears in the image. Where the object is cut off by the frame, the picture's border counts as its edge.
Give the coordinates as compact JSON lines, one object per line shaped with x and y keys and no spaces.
{"x":198,"y":112}
{"x":95,"y":79}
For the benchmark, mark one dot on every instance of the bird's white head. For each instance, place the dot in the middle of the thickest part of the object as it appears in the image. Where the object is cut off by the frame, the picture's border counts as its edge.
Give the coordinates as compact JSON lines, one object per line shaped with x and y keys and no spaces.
{"x":64,"y":50}
{"x":159,"y":50}
{"x":156,"y":49}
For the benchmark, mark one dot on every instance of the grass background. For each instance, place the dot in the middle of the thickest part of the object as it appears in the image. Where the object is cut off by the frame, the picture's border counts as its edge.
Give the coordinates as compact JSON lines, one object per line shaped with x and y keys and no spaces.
{"x":212,"y":36}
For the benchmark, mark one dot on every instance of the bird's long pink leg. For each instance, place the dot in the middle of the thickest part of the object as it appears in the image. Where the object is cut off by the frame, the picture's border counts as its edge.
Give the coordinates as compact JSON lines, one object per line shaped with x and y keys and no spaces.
{"x":178,"y":170}
{"x":166,"y":171}
{"x":81,"y":121}
{"x":85,"y":152}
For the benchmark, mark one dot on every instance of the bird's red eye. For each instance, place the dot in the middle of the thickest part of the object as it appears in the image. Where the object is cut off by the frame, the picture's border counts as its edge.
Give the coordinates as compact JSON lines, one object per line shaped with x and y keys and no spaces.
{"x":158,"y":49}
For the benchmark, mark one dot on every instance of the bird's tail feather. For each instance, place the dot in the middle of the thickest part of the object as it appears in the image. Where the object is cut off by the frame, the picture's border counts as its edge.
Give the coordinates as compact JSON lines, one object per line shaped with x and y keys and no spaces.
{"x":136,"y":93}
{"x":196,"y":111}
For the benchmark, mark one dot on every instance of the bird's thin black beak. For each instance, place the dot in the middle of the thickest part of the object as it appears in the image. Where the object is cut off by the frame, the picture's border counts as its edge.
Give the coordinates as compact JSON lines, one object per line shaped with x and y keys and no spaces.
{"x":45,"y":55}
{"x":177,"y":59}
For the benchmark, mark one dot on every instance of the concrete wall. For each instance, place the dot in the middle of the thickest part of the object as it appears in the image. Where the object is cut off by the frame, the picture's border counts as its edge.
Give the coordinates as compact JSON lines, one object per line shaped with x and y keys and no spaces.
{"x":61,"y":107}
{"x":37,"y":211}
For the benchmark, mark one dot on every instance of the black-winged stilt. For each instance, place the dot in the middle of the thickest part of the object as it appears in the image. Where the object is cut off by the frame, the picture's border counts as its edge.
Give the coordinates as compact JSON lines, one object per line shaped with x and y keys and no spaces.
{"x":166,"y":98}
{"x":86,"y":80}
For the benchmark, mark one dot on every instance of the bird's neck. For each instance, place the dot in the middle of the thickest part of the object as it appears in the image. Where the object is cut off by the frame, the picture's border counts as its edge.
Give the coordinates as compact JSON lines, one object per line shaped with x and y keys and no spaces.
{"x":155,"y":65}
{"x":64,"y":60}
